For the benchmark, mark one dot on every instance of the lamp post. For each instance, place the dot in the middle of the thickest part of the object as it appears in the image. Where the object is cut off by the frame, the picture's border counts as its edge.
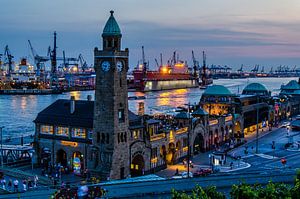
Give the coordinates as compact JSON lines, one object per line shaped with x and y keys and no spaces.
{"x":1,"y":128}
{"x":257,"y":114}
{"x":188,"y":152}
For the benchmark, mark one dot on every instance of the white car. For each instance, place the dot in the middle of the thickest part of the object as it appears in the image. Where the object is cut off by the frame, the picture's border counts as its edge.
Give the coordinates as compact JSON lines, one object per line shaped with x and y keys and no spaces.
{"x":185,"y":174}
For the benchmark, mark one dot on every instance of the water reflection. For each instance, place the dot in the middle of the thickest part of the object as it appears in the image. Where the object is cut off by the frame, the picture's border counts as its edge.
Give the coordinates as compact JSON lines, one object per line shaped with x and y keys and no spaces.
{"x":18,"y":112}
{"x":76,"y":94}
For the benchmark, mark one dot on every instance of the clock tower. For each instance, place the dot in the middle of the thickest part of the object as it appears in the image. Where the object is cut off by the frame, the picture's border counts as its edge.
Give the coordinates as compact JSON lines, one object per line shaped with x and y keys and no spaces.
{"x":110,"y":138}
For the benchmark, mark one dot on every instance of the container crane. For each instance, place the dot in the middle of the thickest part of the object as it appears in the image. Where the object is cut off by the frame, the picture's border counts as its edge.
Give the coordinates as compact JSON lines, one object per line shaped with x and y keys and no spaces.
{"x":9,"y":58}
{"x":241,"y":69}
{"x":39,"y":60}
{"x":156,"y":63}
{"x":196,"y":65}
{"x":83,"y":63}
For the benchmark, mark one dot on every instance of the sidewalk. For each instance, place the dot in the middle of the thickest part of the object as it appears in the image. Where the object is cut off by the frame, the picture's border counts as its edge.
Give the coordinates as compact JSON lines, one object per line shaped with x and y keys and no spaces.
{"x":202,"y":161}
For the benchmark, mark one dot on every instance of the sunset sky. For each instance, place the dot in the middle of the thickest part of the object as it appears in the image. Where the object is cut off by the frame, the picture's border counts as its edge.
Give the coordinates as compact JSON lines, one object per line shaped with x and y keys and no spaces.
{"x":232,"y":32}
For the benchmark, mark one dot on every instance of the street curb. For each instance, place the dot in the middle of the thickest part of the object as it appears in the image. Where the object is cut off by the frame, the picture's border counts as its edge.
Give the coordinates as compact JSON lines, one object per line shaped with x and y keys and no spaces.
{"x":237,"y":169}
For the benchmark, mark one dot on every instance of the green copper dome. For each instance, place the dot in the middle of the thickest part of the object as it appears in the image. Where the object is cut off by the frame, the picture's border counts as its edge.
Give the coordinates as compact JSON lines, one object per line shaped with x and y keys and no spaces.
{"x":182,"y":115}
{"x":255,"y":87}
{"x":200,"y":111}
{"x":111,"y":27}
{"x":292,"y":85}
{"x":217,"y":90}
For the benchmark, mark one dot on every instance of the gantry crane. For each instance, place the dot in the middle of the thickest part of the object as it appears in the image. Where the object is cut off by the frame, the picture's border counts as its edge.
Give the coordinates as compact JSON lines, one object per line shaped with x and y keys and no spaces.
{"x":8,"y":57}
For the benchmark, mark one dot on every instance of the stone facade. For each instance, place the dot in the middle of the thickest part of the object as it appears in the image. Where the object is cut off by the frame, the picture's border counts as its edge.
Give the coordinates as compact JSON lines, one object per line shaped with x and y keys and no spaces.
{"x":111,"y":107}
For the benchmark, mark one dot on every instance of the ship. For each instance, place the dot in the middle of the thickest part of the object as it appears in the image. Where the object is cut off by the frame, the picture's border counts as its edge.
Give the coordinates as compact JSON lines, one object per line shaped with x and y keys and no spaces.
{"x":174,"y":75}
{"x":23,"y":75}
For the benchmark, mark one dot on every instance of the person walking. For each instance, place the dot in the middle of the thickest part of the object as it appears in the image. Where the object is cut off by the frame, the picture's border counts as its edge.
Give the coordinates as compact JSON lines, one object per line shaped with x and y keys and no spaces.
{"x":4,"y":184}
{"x":24,"y":186}
{"x":9,"y":185}
{"x":16,"y":185}
{"x":36,"y":178}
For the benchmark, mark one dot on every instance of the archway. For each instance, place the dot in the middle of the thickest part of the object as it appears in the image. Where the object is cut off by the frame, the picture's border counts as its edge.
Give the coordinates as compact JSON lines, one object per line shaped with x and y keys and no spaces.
{"x":178,"y":148}
{"x":77,"y":162}
{"x":216,"y":138}
{"x":61,"y":157}
{"x":163,"y":152}
{"x":226,"y":133}
{"x":171,"y":153}
{"x":199,"y":144}
{"x":137,"y":166}
{"x":222,"y":135}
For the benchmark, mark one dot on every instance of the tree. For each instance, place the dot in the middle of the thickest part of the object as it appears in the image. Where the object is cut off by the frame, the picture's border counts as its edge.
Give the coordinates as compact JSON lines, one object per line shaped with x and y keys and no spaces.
{"x":199,"y":193}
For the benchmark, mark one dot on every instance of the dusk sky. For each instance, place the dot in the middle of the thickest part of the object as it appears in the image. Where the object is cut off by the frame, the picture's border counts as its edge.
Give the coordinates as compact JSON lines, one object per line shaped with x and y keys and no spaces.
{"x":232,"y":32}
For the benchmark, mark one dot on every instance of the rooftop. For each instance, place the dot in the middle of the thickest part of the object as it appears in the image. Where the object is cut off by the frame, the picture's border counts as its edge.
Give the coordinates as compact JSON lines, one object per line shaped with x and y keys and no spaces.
{"x":255,"y":87}
{"x":58,"y":113}
{"x":182,"y":115}
{"x":111,"y":27}
{"x":292,"y":85}
{"x":199,"y":111}
{"x":217,"y":90}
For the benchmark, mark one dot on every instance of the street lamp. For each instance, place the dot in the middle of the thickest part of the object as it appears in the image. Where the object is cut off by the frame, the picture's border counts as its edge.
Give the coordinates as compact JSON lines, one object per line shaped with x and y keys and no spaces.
{"x":191,"y":126}
{"x":1,"y":128}
{"x":257,"y":114}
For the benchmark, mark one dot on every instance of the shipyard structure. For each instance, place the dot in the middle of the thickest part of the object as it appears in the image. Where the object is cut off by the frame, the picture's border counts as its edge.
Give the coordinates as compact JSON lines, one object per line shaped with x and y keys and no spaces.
{"x":104,"y":138}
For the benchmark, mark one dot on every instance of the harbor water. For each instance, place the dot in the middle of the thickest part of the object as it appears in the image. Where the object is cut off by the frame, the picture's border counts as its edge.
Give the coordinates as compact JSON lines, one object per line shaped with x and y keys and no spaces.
{"x":17,"y":112}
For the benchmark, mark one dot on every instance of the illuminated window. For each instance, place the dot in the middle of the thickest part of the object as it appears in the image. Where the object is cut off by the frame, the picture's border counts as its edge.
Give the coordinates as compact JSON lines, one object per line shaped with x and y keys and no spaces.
{"x":45,"y":129}
{"x":79,"y":133}
{"x":62,"y":131}
{"x":136,"y":134}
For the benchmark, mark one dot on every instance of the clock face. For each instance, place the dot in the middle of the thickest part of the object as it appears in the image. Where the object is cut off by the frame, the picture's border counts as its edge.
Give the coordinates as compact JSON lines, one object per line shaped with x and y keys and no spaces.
{"x":105,"y":66}
{"x":119,"y":66}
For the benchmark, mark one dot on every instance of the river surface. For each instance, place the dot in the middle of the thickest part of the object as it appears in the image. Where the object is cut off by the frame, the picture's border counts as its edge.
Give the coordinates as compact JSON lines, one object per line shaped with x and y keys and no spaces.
{"x":18,"y":112}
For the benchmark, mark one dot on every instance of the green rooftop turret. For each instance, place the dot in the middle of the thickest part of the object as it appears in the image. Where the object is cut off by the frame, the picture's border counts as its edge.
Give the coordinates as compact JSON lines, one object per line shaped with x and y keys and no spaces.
{"x":111,"y":27}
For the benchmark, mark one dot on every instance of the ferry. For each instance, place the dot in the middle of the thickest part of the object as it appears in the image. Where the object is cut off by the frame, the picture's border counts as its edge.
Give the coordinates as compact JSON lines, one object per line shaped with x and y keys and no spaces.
{"x":23,"y":75}
{"x":174,"y":75}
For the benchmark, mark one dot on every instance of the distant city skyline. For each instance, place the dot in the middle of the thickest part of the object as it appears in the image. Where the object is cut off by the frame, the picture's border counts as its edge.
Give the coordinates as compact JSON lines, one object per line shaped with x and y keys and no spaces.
{"x":232,"y":32}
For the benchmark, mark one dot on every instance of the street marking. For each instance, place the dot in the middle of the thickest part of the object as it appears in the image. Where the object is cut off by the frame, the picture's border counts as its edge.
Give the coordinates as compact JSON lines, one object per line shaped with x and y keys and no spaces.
{"x":269,"y":157}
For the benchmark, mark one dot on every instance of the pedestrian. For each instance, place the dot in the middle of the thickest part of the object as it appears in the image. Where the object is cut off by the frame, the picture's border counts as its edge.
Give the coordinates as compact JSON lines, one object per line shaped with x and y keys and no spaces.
{"x":24,"y":186}
{"x":36,"y":178}
{"x":9,"y":185}
{"x":4,"y":183}
{"x":16,"y":185}
{"x":29,"y":183}
{"x":177,"y":172}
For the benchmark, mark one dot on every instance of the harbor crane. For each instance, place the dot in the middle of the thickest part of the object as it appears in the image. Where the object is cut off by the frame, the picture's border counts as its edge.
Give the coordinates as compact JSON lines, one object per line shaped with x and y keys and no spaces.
{"x":8,"y":59}
{"x":196,"y":64}
{"x":156,"y":63}
{"x":255,"y":69}
{"x":240,"y":70}
{"x":83,"y":63}
{"x":39,"y":60}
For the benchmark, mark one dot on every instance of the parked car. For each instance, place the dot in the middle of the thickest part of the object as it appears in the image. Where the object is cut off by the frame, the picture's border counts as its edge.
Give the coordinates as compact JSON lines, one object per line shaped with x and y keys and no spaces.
{"x":185,"y":174}
{"x":202,"y":172}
